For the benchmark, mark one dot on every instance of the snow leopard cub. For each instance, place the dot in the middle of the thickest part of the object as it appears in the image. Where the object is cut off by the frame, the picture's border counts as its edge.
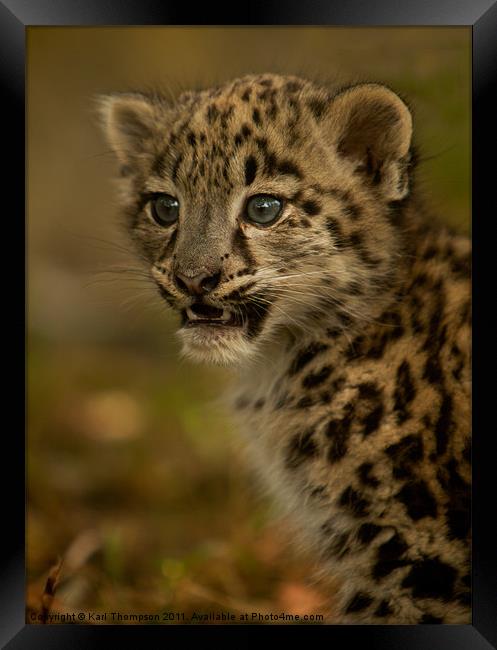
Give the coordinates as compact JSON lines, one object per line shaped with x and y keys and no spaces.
{"x":279,"y":219}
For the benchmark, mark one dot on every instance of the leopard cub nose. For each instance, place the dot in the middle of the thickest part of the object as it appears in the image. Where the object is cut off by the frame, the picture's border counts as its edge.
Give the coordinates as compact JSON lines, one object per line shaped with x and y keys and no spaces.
{"x":197,"y":285}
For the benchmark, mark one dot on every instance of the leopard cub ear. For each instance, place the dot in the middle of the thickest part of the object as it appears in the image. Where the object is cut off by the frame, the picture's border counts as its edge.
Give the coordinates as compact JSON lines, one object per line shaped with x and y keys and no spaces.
{"x":373,"y":129}
{"x":130,"y":122}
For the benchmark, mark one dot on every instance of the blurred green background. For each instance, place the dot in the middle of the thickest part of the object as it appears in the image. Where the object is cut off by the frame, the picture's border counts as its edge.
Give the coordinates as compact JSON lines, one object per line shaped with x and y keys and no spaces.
{"x":134,"y":473}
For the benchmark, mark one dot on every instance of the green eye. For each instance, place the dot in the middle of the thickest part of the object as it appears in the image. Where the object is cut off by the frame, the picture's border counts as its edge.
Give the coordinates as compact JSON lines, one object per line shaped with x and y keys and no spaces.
{"x":263,"y":208}
{"x":165,"y":209}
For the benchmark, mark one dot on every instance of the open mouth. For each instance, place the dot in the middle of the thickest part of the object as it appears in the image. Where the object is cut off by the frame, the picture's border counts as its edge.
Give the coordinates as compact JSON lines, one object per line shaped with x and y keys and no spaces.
{"x":220,"y":335}
{"x":202,"y":314}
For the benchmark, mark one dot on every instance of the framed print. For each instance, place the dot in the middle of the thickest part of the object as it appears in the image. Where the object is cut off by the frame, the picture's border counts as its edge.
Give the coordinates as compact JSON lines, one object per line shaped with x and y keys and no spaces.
{"x":251,"y":392}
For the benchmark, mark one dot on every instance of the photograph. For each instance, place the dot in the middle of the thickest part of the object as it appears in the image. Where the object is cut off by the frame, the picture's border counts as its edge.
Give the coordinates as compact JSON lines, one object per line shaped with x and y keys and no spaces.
{"x":248,"y":325}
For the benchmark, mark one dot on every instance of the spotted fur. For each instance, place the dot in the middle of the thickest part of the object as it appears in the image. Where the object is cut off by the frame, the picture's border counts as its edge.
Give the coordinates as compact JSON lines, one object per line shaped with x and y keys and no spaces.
{"x":354,"y":393}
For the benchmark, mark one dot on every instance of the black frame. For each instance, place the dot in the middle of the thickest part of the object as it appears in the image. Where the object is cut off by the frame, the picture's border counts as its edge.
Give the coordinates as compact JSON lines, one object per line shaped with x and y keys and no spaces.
{"x":481,"y":15}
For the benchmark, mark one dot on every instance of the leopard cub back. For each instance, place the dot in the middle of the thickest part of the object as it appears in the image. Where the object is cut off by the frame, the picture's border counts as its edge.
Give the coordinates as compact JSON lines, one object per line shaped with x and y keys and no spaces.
{"x":280,"y":219}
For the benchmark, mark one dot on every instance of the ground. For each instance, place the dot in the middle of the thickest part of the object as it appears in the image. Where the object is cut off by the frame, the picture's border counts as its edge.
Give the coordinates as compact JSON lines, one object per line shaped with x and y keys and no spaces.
{"x":166,"y":518}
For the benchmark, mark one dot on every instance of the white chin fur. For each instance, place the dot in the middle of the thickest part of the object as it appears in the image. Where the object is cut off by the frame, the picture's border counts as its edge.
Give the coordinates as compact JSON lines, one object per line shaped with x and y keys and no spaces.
{"x":206,"y":345}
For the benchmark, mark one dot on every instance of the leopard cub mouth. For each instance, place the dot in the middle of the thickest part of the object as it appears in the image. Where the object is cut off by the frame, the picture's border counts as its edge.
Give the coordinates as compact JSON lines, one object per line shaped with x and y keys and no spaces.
{"x":200,"y":314}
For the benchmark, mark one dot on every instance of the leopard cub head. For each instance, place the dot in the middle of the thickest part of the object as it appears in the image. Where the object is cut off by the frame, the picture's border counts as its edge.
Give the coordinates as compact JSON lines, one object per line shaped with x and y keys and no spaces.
{"x":264,"y":207}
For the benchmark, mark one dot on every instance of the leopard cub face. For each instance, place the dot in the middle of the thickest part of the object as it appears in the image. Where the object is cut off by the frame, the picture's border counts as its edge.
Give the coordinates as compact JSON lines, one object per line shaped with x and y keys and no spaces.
{"x":265,"y":206}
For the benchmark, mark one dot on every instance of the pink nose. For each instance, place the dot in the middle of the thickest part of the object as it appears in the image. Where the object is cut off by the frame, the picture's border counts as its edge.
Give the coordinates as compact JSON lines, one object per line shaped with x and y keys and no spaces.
{"x":199,"y":284}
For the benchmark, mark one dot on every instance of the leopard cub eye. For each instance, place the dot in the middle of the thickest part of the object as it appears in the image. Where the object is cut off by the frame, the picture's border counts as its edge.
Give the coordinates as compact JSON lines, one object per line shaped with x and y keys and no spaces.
{"x":263,"y":209}
{"x":165,"y":209}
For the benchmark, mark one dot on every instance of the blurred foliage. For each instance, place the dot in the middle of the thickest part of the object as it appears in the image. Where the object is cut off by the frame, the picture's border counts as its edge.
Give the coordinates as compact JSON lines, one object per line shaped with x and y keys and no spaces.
{"x":135,"y":478}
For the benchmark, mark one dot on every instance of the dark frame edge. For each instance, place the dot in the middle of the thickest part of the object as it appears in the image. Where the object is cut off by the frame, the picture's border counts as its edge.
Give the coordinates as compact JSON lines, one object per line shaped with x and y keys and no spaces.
{"x":484,"y":136}
{"x":12,"y":76}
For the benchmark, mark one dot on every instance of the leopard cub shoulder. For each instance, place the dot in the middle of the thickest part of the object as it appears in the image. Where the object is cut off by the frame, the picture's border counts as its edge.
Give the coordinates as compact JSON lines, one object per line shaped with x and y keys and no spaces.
{"x":280,"y":220}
